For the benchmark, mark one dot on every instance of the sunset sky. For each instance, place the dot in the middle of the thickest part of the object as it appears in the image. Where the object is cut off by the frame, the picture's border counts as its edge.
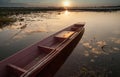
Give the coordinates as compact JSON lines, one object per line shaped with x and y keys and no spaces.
{"x":59,"y":2}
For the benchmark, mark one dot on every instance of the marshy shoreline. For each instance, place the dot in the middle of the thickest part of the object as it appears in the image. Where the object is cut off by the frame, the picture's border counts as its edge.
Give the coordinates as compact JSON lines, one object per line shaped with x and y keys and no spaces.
{"x":6,"y":12}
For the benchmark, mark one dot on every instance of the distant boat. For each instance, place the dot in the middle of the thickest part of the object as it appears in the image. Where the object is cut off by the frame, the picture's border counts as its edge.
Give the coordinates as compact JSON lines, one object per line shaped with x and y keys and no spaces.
{"x":36,"y":59}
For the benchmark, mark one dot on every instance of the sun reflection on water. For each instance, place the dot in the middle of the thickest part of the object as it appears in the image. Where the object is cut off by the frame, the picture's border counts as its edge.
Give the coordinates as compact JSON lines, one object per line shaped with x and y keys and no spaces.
{"x":66,"y":12}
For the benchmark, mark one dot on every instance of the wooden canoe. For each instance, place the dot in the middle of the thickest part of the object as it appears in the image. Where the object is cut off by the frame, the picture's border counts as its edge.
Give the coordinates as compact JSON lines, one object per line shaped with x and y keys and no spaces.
{"x":39,"y":57}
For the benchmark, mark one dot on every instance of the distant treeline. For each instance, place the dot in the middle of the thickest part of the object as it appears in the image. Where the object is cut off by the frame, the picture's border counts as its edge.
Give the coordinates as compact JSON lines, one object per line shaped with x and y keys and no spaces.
{"x":101,"y":8}
{"x":4,"y":11}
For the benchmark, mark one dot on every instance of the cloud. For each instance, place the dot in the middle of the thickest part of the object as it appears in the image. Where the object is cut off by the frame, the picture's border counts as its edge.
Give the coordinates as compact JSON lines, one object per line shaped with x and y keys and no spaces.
{"x":101,"y":43}
{"x":115,"y":40}
{"x":10,"y":3}
{"x":5,"y":1}
{"x":86,"y":53}
{"x":87,"y":45}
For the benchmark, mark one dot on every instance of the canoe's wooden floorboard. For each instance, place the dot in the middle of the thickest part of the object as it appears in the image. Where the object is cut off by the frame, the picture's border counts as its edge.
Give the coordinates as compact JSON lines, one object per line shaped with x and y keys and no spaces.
{"x":34,"y":61}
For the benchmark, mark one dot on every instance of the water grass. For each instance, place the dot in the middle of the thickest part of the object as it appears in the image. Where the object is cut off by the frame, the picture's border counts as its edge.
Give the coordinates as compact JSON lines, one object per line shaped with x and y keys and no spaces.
{"x":6,"y":21}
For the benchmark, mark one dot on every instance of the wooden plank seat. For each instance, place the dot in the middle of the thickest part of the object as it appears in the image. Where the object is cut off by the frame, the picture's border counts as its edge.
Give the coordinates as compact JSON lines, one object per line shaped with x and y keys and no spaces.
{"x":45,"y":48}
{"x":77,"y":29}
{"x":15,"y":70}
{"x":79,"y":25}
{"x":64,"y":35}
{"x":74,"y":28}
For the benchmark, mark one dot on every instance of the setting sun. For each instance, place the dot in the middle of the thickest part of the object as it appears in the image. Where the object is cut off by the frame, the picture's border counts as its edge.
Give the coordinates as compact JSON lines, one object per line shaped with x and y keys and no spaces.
{"x":66,"y":3}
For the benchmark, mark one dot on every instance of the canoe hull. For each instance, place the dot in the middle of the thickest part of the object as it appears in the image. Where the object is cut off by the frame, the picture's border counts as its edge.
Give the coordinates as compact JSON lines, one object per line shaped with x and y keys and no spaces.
{"x":58,"y":61}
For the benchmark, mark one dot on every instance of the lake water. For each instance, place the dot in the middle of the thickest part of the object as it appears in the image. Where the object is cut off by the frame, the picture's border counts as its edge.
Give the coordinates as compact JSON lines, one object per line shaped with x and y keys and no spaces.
{"x":96,"y":55}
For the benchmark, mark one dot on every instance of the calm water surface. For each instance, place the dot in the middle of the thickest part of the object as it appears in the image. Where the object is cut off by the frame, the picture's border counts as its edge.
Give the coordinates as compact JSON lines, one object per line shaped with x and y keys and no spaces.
{"x":96,"y":55}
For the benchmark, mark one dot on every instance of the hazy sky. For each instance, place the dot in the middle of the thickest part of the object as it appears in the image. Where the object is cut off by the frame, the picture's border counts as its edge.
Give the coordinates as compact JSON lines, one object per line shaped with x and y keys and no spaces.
{"x":59,"y":2}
